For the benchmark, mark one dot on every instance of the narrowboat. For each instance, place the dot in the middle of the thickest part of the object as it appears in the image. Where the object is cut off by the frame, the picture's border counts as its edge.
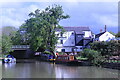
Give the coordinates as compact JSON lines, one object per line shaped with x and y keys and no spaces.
{"x":67,"y":59}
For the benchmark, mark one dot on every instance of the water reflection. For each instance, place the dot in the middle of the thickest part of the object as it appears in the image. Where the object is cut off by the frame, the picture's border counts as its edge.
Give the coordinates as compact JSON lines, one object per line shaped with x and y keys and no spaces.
{"x":0,"y":70}
{"x":37,"y":69}
{"x":9,"y":65}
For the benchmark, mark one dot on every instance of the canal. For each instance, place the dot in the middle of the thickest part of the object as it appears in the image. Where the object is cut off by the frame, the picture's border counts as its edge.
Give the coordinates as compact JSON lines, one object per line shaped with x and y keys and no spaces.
{"x":38,"y":69}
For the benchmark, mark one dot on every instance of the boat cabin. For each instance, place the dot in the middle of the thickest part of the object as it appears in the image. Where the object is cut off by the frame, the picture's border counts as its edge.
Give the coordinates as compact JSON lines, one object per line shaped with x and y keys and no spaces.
{"x":65,"y":58}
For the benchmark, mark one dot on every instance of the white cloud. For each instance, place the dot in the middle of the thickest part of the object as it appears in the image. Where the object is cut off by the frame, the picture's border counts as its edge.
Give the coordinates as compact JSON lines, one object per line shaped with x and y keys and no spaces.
{"x":11,"y":22}
{"x":15,"y":16}
{"x":32,"y":8}
{"x":109,"y":20}
{"x":15,"y":13}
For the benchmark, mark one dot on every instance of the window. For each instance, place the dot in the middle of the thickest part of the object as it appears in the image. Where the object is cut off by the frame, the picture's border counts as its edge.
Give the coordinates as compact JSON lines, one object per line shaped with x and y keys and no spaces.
{"x":62,"y":50}
{"x":61,"y":34}
{"x":57,"y":34}
{"x":61,"y":41}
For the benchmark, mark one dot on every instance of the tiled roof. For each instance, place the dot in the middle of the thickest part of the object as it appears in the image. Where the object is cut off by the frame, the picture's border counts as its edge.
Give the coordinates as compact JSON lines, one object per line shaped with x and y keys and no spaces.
{"x":78,"y":30}
{"x":98,"y":35}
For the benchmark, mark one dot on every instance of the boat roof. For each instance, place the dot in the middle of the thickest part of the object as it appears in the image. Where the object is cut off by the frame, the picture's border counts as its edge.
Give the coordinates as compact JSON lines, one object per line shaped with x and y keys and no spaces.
{"x":65,"y":55}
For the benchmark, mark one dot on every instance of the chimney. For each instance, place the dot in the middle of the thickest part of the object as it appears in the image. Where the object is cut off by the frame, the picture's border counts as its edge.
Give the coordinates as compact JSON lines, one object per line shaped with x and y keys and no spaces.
{"x":105,"y":28}
{"x":100,"y":30}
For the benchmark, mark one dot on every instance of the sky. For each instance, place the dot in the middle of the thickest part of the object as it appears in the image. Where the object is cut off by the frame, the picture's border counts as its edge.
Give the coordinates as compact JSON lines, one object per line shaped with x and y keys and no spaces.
{"x":92,"y":14}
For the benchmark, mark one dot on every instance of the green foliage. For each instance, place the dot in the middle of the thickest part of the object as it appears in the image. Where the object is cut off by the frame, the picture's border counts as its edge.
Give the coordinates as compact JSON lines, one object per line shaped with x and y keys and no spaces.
{"x":39,"y":29}
{"x":6,"y":44}
{"x":5,"y":39}
{"x":118,"y":34}
{"x":90,"y":54}
{"x":93,"y":56}
{"x":106,"y":48}
{"x":9,"y":31}
{"x":81,"y":58}
{"x":112,"y":33}
{"x":61,"y":53}
{"x":47,"y":52}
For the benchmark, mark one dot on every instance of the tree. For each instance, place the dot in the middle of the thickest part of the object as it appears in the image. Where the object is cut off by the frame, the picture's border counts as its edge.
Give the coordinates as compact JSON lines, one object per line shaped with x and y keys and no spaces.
{"x":6,"y":44}
{"x":20,"y":38}
{"x":9,"y":30}
{"x":112,"y":33}
{"x":118,"y":34}
{"x":41,"y":26}
{"x":5,"y":39}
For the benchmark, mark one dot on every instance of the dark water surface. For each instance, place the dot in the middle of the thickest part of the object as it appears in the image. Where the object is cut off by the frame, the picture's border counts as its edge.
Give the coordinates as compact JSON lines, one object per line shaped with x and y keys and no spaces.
{"x":37,"y":69}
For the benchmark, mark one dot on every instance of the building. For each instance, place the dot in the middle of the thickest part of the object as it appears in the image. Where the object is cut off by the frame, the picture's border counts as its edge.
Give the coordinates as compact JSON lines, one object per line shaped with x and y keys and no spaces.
{"x":74,"y":39}
{"x":104,"y":36}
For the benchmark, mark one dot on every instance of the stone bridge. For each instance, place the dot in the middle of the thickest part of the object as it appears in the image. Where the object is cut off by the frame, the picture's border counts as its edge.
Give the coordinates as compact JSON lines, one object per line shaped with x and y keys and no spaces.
{"x":20,"y":47}
{"x":22,"y":51}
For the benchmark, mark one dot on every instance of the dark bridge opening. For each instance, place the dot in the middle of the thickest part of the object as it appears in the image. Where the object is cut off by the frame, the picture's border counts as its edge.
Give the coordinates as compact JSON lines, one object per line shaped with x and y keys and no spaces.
{"x":23,"y":54}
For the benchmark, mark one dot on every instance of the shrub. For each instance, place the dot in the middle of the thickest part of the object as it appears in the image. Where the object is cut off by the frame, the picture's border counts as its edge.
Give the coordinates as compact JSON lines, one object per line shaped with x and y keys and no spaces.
{"x":109,"y":48}
{"x":93,"y":56}
{"x":81,"y":58}
{"x":47,"y":52}
{"x":61,"y":53}
{"x":90,"y":54}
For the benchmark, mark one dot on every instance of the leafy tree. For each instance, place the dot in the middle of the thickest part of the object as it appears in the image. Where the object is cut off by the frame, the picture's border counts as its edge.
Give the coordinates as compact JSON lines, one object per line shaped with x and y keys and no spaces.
{"x":9,"y":30}
{"x":5,"y":38}
{"x":20,"y":38}
{"x":41,"y":26}
{"x":6,"y":44}
{"x":112,"y":33}
{"x":118,"y":34}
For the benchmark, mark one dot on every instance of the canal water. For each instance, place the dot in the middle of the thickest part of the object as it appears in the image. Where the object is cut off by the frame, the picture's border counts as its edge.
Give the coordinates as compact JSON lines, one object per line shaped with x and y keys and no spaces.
{"x":38,"y":69}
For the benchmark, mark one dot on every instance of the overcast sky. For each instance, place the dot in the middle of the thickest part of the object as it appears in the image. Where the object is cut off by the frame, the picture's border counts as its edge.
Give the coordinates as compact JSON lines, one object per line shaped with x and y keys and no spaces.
{"x":92,"y":14}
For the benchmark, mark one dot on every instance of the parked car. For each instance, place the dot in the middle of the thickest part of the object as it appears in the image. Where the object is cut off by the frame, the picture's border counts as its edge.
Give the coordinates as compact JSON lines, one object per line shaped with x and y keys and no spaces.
{"x":9,"y":59}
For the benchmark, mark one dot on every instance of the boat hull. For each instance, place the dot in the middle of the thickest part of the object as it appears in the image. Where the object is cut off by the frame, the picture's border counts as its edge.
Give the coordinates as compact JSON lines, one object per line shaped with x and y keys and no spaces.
{"x":68,"y":62}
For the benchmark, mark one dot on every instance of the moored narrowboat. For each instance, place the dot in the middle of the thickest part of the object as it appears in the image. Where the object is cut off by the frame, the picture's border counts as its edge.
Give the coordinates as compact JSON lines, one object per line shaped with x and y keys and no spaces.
{"x":67,"y":59}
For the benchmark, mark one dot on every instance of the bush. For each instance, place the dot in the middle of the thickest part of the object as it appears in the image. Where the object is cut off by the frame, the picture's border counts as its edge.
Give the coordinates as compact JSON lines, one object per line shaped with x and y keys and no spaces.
{"x":90,"y":54}
{"x":81,"y":58}
{"x":106,"y":48}
{"x":47,"y":52}
{"x":61,"y":53}
{"x":93,"y":56}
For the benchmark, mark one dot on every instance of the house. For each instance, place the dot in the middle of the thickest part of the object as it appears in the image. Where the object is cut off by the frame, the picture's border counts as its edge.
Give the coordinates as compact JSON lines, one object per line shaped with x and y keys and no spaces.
{"x":74,"y":39}
{"x":104,"y":36}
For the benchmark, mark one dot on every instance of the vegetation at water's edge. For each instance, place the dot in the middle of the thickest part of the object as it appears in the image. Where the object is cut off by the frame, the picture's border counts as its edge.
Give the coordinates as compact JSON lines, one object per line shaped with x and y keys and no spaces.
{"x":101,"y":52}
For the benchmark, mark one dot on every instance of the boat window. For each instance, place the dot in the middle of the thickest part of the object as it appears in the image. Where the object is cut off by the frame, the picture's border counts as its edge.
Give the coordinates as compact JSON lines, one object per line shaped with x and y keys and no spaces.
{"x":66,"y":58}
{"x":71,"y":57}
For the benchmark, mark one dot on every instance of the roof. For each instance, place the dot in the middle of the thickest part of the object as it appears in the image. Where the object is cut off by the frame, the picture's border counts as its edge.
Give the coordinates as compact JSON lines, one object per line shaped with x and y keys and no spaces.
{"x":78,"y":30}
{"x":98,"y":35}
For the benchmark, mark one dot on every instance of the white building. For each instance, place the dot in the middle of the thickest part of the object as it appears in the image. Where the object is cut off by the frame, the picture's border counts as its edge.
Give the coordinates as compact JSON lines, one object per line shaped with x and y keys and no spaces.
{"x":104,"y":36}
{"x":73,"y":39}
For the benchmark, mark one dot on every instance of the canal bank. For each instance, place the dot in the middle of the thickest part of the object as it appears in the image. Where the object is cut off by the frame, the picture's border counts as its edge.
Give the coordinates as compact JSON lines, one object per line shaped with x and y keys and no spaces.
{"x":38,"y":69}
